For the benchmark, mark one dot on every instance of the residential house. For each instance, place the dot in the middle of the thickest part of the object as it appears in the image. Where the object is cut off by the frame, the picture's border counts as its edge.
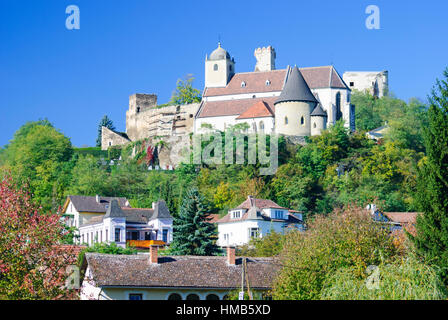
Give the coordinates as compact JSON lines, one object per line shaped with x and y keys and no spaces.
{"x":129,"y":226}
{"x":149,"y":277}
{"x":255,"y":218}
{"x":398,"y":221}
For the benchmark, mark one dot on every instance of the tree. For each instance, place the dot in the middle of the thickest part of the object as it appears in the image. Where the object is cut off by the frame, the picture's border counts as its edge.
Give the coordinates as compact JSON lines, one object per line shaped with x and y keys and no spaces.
{"x":348,"y":238}
{"x":105,"y":122}
{"x":40,"y":157}
{"x":193,"y":234}
{"x":185,"y":93}
{"x":431,"y":240}
{"x":32,"y":263}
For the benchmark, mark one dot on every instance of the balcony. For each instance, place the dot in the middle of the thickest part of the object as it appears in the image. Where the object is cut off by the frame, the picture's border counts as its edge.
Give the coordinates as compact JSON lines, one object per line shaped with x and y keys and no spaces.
{"x":144,"y":244}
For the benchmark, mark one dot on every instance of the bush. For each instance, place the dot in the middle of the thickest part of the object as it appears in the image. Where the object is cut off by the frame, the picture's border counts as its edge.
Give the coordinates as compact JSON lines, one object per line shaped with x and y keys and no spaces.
{"x":268,"y":246}
{"x":348,"y":238}
{"x":405,"y":279}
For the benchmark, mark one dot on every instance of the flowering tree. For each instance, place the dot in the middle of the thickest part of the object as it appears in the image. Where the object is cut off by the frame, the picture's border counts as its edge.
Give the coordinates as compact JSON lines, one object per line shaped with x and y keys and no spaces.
{"x":32,"y":261}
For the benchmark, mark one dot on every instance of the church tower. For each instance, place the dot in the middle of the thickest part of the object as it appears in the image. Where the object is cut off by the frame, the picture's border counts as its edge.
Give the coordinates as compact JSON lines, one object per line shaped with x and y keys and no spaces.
{"x":219,"y":68}
{"x":294,"y":106}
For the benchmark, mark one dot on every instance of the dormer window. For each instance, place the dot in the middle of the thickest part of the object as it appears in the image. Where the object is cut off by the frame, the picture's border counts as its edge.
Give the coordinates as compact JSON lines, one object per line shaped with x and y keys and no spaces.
{"x":278,"y":214}
{"x":268,"y":82}
{"x":243,"y":84}
{"x":236,"y":214}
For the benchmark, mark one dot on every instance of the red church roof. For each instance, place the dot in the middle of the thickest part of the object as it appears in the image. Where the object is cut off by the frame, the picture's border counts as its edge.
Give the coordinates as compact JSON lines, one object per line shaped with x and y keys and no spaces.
{"x":259,"y":110}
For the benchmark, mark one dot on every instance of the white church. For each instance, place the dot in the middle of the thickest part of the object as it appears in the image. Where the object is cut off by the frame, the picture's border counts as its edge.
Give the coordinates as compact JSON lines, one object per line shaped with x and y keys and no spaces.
{"x":291,"y":101}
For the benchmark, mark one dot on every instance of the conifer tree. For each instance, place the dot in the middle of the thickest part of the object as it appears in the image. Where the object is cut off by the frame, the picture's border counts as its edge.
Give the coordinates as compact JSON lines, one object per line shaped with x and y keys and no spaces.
{"x":193,"y":235}
{"x":431,"y":240}
{"x":105,"y":122}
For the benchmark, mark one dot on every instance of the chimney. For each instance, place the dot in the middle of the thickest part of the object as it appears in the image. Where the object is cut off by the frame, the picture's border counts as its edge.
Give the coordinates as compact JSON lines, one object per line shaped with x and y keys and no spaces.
{"x":97,"y":199}
{"x":153,"y":254}
{"x":231,"y":255}
{"x":251,"y":201}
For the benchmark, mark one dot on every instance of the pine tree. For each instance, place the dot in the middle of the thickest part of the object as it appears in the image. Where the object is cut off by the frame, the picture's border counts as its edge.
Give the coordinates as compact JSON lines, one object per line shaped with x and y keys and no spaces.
{"x":431,"y":240}
{"x":105,"y":122}
{"x":193,"y":235}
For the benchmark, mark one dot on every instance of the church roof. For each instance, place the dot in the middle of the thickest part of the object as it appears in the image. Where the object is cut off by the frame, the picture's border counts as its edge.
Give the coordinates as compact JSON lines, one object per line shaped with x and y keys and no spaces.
{"x":318,"y":111}
{"x":231,"y":107}
{"x":259,"y":110}
{"x":296,"y":89}
{"x":219,"y":54}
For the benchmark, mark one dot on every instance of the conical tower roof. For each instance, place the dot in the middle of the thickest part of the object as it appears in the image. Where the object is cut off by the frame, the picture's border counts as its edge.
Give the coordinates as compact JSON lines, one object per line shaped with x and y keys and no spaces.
{"x":296,"y":89}
{"x":318,"y":111}
{"x":114,"y":210}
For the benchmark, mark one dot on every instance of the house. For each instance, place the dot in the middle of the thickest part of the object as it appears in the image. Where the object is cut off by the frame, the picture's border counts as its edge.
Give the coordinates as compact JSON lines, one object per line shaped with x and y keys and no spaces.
{"x":378,"y":133}
{"x":255,"y":218}
{"x":149,"y":277}
{"x":79,"y":210}
{"x":129,"y":226}
{"x":398,"y":221}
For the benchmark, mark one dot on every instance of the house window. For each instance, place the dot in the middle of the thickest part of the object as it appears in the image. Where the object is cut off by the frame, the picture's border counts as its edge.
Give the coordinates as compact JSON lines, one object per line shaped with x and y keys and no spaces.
{"x":107,"y":234}
{"x":165,"y":235}
{"x":135,"y":296}
{"x":117,"y":235}
{"x":278,"y":214}
{"x":174,"y":296}
{"x":352,"y":84}
{"x":91,"y":238}
{"x":96,"y":237}
{"x":254,"y":233}
{"x":193,"y":296}
{"x":215,"y":67}
{"x":87,"y":238}
{"x":286,"y":120}
{"x":261,"y":125}
{"x":110,"y":143}
{"x":101,"y":236}
{"x":82,"y":237}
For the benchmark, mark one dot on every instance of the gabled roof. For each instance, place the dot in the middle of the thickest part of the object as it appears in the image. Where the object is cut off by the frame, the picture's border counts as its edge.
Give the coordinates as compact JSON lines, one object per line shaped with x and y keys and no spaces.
{"x":179,"y":271}
{"x":296,"y":89}
{"x":259,"y":110}
{"x":90,"y":204}
{"x":260,"y":203}
{"x":318,"y":111}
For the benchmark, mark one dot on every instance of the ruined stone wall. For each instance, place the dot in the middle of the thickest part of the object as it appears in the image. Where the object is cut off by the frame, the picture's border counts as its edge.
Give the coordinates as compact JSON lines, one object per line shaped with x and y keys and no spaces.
{"x":111,"y":138}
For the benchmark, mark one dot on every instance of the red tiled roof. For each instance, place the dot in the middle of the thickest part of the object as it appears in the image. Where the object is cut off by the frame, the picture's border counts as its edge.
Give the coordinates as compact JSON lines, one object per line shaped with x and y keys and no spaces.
{"x":260,"y":204}
{"x":259,"y":110}
{"x":255,"y":82}
{"x":213,"y":218}
{"x":232,"y":107}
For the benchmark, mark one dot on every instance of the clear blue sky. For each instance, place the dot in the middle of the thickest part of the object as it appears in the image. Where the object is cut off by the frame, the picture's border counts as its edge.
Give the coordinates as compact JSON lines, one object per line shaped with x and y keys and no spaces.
{"x":73,"y":78}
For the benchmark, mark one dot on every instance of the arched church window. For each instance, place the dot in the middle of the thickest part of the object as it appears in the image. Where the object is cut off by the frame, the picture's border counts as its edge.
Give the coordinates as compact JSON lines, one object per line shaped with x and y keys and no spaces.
{"x":215,"y":67}
{"x":286,"y":120}
{"x":338,"y":106}
{"x":302,"y":121}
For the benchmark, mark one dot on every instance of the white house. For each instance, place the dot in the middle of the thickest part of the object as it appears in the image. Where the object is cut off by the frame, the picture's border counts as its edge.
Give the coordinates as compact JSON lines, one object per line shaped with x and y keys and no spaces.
{"x":121,"y":225}
{"x":255,"y":218}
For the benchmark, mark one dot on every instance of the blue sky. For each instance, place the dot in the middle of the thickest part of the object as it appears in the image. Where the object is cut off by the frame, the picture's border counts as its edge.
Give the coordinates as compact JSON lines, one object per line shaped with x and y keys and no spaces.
{"x":75,"y":77}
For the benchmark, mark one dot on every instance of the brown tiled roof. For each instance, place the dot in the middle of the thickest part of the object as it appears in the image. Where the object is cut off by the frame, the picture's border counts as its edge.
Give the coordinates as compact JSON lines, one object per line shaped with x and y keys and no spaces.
{"x":89,"y":204}
{"x":402,"y":217}
{"x":260,"y":203}
{"x":232,"y":107}
{"x":259,"y":110}
{"x":255,"y":82}
{"x":179,"y":271}
{"x":315,"y":77}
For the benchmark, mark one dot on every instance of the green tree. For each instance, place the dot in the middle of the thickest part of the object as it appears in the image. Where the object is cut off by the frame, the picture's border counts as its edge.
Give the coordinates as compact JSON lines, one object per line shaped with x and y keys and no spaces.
{"x":432,"y":226}
{"x":193,"y":234}
{"x":185,"y":93}
{"x":348,"y":238}
{"x":105,"y":122}
{"x":40,"y":157}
